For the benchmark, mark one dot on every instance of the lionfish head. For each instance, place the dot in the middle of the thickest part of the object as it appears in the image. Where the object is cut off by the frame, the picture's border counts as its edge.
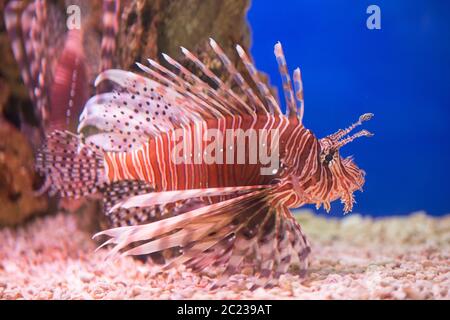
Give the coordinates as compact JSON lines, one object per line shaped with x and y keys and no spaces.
{"x":347,"y":177}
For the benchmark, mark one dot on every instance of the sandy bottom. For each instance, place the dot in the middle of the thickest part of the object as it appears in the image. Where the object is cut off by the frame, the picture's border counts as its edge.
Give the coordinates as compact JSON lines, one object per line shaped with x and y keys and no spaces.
{"x":354,"y":258}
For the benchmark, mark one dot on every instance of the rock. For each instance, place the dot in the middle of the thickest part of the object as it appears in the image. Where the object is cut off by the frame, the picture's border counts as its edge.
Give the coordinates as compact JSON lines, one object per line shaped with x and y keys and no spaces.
{"x":86,"y":277}
{"x":17,"y":178}
{"x":55,"y":274}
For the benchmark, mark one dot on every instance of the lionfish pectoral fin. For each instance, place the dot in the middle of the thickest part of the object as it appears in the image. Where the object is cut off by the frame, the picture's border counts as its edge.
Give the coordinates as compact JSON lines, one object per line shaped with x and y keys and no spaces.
{"x":155,"y":198}
{"x":181,"y":230}
{"x":224,"y":233}
{"x":114,"y":192}
{"x":250,"y":227}
{"x":276,"y":242}
{"x":233,"y":238}
{"x":125,"y":190}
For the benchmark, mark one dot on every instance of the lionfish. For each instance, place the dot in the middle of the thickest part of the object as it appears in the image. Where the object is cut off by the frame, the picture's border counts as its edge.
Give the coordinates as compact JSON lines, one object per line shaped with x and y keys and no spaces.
{"x":54,"y":61}
{"x":211,"y":213}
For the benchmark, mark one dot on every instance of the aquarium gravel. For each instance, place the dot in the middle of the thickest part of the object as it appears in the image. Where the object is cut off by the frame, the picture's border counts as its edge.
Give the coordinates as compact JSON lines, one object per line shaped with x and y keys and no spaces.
{"x":352,"y":258}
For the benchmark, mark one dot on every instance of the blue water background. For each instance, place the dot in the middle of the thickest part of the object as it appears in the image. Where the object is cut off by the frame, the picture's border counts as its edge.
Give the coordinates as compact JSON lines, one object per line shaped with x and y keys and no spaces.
{"x":401,"y":73}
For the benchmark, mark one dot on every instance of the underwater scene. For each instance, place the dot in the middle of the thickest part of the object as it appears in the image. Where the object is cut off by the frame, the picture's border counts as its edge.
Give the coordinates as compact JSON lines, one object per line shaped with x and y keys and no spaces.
{"x":224,"y":150}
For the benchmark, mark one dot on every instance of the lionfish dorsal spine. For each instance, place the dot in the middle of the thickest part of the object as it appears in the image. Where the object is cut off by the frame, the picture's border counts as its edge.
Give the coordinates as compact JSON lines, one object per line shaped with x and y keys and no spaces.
{"x":110,"y":18}
{"x":274,"y":108}
{"x":222,"y":88}
{"x":18,"y":20}
{"x":292,"y":110}
{"x":256,"y":104}
{"x":199,"y":86}
{"x":298,"y":87}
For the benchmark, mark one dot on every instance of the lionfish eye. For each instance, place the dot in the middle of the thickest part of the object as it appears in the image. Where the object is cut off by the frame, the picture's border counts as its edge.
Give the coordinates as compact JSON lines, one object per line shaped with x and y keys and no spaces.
{"x":328,"y":157}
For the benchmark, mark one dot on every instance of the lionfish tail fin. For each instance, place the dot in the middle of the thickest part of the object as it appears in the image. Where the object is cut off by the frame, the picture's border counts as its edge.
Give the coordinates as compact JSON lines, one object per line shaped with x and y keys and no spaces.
{"x":71,"y":168}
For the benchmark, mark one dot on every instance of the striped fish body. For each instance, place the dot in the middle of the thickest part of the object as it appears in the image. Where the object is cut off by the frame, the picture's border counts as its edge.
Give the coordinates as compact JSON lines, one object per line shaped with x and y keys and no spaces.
{"x":237,"y":162}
